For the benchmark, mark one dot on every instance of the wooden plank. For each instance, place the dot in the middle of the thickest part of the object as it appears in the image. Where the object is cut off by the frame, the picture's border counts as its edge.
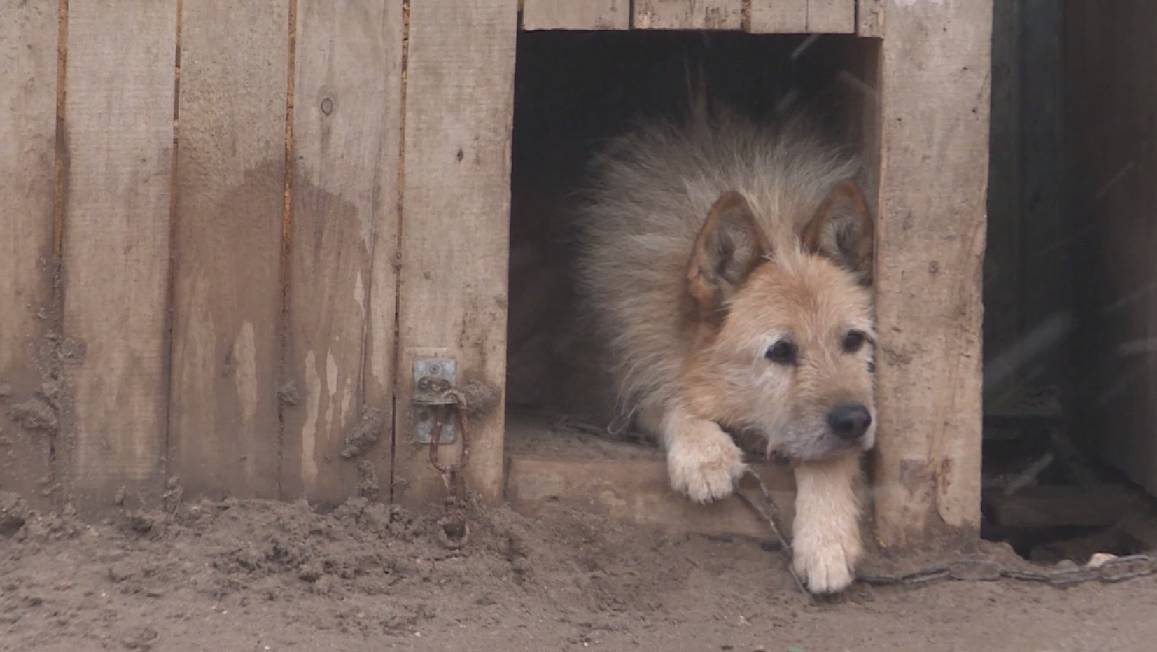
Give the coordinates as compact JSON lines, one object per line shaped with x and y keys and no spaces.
{"x":1003,"y":257}
{"x":1056,"y":506}
{"x":227,"y":244}
{"x":930,"y":244}
{"x":1111,"y":102}
{"x":569,"y":14}
{"x":28,"y":40}
{"x":639,"y":492}
{"x":119,"y":149}
{"x":1046,"y":273}
{"x":778,"y":16}
{"x":346,"y":131}
{"x":688,"y":14}
{"x":831,"y":16}
{"x":870,"y":18}
{"x":456,"y":196}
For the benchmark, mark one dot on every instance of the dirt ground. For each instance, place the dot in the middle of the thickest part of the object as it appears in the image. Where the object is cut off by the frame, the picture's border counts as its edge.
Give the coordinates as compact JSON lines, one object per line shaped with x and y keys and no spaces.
{"x":239,"y":575}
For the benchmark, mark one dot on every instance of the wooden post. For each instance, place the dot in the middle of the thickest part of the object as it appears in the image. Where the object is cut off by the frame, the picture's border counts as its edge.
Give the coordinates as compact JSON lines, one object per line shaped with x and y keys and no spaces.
{"x":342,"y":281}
{"x":28,"y":94}
{"x":226,"y":248}
{"x":931,"y":236}
{"x":455,"y":222}
{"x":118,"y":122}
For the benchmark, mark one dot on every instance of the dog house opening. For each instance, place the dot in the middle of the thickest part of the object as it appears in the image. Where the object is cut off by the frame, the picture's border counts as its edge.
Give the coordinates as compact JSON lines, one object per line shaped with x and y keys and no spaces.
{"x":576,"y":90}
{"x":1069,"y":452}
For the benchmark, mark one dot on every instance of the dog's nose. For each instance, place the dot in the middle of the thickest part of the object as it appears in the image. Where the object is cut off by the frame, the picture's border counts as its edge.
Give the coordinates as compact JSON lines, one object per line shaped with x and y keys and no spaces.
{"x":849,"y":421}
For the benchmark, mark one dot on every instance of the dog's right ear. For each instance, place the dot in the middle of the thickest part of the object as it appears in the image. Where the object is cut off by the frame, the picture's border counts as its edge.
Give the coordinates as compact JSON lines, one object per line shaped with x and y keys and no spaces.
{"x":730,"y":245}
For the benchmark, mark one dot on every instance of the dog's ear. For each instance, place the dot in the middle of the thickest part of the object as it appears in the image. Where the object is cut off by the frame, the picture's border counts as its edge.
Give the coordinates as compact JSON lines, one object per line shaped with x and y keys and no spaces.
{"x":729,"y":246}
{"x":842,"y":230}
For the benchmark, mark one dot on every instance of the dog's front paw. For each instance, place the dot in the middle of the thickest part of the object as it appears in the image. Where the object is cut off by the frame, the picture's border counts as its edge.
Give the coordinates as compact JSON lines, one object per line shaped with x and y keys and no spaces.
{"x":706,"y":465}
{"x":826,"y":564}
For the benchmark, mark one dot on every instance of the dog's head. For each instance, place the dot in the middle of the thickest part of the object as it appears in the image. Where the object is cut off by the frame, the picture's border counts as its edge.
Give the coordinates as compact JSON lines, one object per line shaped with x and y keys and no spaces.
{"x":784,"y":337}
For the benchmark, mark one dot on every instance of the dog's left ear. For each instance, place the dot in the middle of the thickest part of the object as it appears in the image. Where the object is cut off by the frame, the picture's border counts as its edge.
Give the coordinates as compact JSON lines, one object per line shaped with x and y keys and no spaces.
{"x":842,"y":230}
{"x":730,"y":245}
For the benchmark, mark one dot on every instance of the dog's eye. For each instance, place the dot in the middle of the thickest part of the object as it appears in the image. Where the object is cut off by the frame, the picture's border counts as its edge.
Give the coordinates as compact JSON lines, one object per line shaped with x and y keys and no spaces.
{"x":853,"y":341}
{"x":782,"y":352}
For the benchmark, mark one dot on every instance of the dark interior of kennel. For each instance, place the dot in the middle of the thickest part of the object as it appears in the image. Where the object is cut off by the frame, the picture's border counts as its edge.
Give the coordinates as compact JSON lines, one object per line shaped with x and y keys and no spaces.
{"x":573,"y":91}
{"x":1070,"y":448}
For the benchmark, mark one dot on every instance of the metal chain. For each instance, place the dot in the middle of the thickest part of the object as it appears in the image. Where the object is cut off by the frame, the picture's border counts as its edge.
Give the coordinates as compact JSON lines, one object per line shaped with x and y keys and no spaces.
{"x":453,"y":529}
{"x":1114,"y":570}
{"x":1118,"y":569}
{"x":770,"y":514}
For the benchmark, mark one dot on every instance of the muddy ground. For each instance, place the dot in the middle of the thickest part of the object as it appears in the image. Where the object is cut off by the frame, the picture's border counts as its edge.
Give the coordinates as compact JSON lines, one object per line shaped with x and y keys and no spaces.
{"x":266,"y":576}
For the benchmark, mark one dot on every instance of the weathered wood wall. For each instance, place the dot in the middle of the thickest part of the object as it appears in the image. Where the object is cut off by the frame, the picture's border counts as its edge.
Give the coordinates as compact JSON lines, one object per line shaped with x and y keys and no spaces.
{"x":200,"y":214}
{"x":229,"y":185}
{"x":1110,"y":113}
{"x":1027,"y":272}
{"x":117,"y":145}
{"x":28,"y":92}
{"x":235,"y":229}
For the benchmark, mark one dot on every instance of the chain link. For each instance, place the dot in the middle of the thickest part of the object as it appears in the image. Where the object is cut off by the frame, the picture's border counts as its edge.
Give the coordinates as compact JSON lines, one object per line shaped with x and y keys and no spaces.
{"x":1115,"y":570}
{"x":453,"y":530}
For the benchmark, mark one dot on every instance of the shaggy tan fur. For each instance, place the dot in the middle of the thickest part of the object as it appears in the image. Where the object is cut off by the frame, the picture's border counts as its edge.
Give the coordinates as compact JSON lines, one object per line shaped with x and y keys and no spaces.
{"x":727,"y":265}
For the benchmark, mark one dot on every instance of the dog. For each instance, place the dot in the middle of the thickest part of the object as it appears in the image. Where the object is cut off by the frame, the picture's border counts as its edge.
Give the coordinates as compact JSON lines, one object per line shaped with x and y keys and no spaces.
{"x":728,"y":265}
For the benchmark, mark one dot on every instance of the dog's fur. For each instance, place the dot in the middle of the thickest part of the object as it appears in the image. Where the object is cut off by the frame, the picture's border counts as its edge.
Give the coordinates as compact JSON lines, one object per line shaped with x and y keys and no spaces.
{"x":706,"y":244}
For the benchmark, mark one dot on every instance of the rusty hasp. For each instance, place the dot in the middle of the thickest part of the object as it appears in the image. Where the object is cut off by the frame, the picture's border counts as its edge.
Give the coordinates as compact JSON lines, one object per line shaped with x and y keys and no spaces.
{"x":441,"y":406}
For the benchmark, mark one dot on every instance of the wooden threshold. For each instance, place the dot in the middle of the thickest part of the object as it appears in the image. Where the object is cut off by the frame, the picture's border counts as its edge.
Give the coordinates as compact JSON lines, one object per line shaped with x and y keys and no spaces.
{"x":550,"y":464}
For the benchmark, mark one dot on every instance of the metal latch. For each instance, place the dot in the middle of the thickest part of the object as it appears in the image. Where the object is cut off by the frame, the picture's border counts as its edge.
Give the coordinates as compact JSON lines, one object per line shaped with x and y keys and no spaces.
{"x":433,"y":380}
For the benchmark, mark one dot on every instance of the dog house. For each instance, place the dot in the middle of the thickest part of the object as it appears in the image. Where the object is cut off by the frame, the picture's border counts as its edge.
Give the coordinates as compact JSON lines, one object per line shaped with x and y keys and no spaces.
{"x":240,"y":239}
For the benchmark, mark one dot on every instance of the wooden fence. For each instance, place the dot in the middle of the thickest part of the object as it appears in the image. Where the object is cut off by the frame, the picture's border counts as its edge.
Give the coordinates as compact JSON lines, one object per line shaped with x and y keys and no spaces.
{"x":229,"y":228}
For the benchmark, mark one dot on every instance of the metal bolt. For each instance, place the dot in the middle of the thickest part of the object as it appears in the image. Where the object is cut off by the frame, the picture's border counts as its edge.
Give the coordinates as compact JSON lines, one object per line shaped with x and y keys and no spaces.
{"x":436,"y":369}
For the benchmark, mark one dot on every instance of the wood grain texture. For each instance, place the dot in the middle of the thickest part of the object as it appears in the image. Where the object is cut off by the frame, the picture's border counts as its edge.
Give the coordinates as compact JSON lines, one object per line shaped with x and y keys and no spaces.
{"x":576,"y":14}
{"x":119,"y":126}
{"x":455,"y":233}
{"x":227,"y":243}
{"x":1111,"y":107}
{"x":638,"y":492}
{"x":347,"y":130}
{"x":930,"y":245}
{"x":870,"y":18}
{"x":1046,"y":274}
{"x":1003,"y":346}
{"x":28,"y":39}
{"x":688,"y":14}
{"x":831,"y":16}
{"x":778,"y":16}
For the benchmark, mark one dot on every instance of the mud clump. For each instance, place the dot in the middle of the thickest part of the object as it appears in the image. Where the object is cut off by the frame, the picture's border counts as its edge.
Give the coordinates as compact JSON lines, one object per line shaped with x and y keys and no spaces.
{"x":13,"y":513}
{"x":34,"y":414}
{"x":365,"y":434}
